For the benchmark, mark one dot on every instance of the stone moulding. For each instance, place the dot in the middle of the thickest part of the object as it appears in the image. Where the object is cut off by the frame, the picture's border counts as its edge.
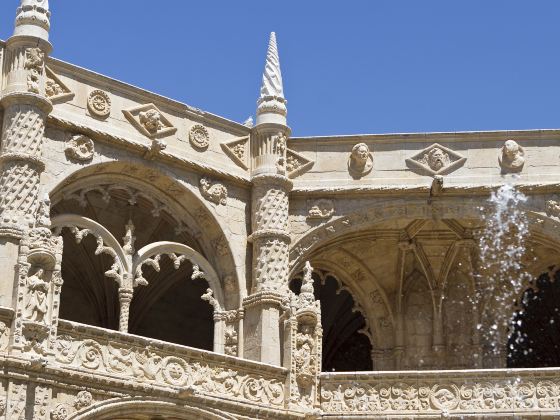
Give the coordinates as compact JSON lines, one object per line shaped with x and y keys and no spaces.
{"x":435,"y":160}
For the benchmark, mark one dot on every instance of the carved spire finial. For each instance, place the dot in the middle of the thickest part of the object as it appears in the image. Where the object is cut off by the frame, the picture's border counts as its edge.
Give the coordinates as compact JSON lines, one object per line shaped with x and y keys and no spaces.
{"x":272,"y":104}
{"x":33,"y":19}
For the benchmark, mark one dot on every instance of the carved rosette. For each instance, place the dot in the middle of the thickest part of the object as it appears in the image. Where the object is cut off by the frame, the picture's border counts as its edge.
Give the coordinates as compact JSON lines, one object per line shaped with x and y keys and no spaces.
{"x":99,"y":104}
{"x":199,"y":137}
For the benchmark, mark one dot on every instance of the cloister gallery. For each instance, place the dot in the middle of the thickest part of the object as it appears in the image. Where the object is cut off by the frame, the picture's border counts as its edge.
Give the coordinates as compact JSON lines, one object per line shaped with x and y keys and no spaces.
{"x":158,"y":261}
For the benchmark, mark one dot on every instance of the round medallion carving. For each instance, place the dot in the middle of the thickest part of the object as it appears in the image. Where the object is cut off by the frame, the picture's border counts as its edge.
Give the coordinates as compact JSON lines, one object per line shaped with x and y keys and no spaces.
{"x":99,"y":103}
{"x":174,"y":371}
{"x":199,"y":136}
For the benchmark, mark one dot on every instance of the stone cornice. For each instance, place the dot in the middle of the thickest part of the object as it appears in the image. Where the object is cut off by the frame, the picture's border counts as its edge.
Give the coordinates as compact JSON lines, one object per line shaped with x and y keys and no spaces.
{"x":141,"y":149}
{"x":144,"y":96}
{"x":427,"y":137}
{"x":454,"y":190}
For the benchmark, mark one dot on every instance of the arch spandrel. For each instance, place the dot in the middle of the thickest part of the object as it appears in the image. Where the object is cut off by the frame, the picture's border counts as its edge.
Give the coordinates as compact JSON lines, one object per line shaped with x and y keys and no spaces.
{"x":182,"y":200}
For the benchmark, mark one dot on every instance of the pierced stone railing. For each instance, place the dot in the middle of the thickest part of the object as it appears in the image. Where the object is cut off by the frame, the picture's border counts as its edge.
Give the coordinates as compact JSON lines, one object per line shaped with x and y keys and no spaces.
{"x":504,"y":392}
{"x":183,"y":370}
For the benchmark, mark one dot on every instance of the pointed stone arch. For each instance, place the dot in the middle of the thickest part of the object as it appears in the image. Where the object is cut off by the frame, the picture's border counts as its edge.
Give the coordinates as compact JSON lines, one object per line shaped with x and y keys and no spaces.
{"x":180,"y":201}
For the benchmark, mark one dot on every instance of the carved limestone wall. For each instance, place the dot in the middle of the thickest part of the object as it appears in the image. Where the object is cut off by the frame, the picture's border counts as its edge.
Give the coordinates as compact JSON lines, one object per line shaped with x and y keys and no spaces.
{"x":449,"y":394}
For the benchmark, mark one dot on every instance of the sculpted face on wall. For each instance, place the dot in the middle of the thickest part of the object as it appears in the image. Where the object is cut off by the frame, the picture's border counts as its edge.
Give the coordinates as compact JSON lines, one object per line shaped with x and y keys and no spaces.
{"x":360,"y":161}
{"x":436,"y":159}
{"x":151,"y":120}
{"x":511,"y":157}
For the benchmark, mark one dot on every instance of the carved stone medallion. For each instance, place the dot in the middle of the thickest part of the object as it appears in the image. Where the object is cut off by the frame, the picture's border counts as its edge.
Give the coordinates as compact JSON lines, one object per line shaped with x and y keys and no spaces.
{"x":511,"y":157}
{"x":360,"y":161}
{"x":80,"y":148}
{"x":436,"y":160}
{"x":174,"y":370}
{"x":199,"y":137}
{"x":99,"y":103}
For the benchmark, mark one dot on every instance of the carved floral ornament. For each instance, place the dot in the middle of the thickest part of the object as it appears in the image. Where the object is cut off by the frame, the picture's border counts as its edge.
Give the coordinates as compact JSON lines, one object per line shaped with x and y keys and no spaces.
{"x":99,"y":103}
{"x":80,"y":148}
{"x":360,"y":161}
{"x":511,"y":156}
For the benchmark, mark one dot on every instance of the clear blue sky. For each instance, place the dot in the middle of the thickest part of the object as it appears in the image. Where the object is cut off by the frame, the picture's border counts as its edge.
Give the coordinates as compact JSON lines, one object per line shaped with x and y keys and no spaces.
{"x":349,"y":67}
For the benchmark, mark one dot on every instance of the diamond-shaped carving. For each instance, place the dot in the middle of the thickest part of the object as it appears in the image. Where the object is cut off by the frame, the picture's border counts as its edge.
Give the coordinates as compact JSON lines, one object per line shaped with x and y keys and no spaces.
{"x":296,"y":164}
{"x":436,"y":160}
{"x":149,"y":120}
{"x":55,"y":89}
{"x":238,"y":150}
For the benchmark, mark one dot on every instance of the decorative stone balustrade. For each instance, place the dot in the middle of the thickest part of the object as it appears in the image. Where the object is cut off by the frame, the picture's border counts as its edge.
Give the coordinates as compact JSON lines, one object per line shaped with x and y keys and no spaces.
{"x":183,"y":370}
{"x":436,"y":394}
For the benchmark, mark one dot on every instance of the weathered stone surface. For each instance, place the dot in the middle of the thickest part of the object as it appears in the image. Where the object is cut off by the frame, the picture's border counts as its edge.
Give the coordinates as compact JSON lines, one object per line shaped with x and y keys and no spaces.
{"x":173,"y":240}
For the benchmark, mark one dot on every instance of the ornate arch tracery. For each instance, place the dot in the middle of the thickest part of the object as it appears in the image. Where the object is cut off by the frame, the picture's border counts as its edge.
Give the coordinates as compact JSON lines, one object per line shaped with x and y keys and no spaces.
{"x":127,"y":267}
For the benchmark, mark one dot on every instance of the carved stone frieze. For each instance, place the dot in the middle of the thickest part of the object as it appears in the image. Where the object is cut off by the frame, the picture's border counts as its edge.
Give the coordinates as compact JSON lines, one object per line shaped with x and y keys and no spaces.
{"x":409,"y":397}
{"x":150,"y":121}
{"x":436,"y":160}
{"x":213,"y":191}
{"x":80,"y":148}
{"x":360,"y":161}
{"x":163,"y":368}
{"x":199,"y":137}
{"x":99,"y":103}
{"x":511,"y":157}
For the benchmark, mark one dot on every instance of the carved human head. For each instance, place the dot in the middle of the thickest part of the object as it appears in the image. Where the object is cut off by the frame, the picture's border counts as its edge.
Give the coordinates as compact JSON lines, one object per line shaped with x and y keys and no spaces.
{"x":360,"y":161}
{"x":360,"y":154}
{"x":436,"y":158}
{"x":511,"y":149}
{"x":151,"y":120}
{"x":512,"y":156}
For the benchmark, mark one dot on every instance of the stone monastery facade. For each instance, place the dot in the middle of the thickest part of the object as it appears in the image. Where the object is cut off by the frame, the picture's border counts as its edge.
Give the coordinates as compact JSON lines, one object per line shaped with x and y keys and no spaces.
{"x":158,"y":261}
